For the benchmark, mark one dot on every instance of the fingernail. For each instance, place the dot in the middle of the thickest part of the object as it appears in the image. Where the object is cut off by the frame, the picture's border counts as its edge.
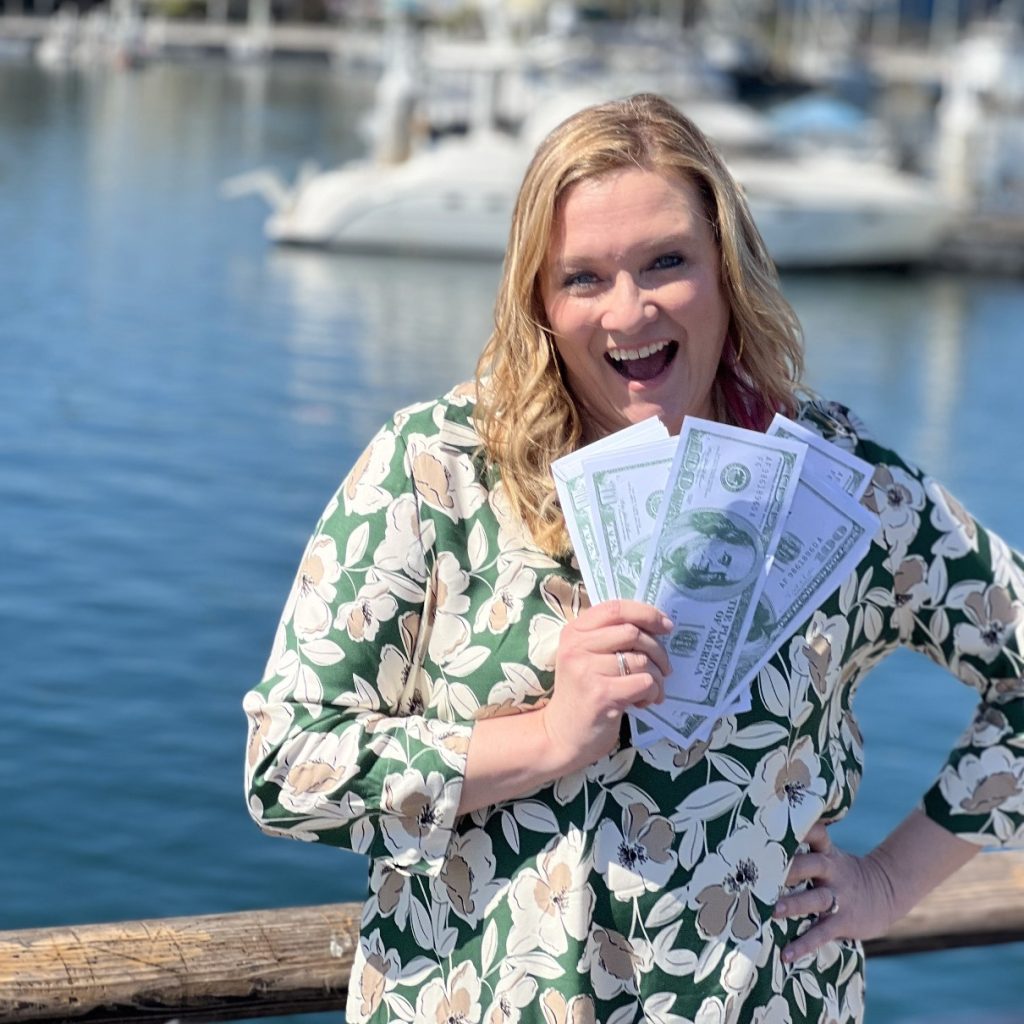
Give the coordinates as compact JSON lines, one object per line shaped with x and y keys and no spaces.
{"x":780,"y":909}
{"x":787,"y":956}
{"x":666,"y":622}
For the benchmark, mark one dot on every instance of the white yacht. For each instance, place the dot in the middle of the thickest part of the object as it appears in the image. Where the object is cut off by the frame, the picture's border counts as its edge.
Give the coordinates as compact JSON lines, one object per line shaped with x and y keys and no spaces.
{"x":455,"y":195}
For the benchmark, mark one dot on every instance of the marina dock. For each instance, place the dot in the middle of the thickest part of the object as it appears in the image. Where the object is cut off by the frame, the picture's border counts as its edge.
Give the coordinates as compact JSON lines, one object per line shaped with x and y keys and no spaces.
{"x":298,"y":960}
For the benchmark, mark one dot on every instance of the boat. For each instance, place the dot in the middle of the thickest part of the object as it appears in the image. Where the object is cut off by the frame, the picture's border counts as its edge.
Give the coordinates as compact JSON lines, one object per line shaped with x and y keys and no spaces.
{"x":454,"y":194}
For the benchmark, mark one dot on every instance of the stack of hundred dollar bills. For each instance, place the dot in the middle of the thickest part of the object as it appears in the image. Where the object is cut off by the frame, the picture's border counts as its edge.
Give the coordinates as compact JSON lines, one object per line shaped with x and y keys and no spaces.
{"x":738,"y":536}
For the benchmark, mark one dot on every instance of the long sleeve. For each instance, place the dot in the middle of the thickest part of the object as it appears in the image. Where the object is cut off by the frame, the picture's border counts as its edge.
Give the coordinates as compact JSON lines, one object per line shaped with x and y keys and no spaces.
{"x":341,"y":746}
{"x":955,"y":591}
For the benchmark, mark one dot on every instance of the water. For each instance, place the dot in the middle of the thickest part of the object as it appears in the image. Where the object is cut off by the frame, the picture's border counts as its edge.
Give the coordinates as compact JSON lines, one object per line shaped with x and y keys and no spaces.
{"x":178,"y":401}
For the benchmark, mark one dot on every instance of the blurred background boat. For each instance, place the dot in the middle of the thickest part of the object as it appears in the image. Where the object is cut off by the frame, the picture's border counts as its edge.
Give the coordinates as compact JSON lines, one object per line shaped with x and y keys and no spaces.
{"x":819,"y":202}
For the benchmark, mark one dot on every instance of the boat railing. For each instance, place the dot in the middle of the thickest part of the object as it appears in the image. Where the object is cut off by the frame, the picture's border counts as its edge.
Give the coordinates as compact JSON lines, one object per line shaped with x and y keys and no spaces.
{"x":297,"y":960}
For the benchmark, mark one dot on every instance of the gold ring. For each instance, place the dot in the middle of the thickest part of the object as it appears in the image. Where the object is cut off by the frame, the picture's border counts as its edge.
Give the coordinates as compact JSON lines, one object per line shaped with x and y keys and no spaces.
{"x":623,"y":667}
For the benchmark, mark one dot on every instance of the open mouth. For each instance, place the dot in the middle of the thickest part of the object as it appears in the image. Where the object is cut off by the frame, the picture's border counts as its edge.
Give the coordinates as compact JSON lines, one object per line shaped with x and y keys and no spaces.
{"x":643,"y":363}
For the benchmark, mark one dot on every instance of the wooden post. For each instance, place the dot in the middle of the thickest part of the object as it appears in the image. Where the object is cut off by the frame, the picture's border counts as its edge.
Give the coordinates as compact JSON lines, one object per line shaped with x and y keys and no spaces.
{"x":298,"y":960}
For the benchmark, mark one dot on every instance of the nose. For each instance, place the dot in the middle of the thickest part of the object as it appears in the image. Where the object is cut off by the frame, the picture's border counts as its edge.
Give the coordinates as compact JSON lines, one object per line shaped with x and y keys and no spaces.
{"x":627,"y":307}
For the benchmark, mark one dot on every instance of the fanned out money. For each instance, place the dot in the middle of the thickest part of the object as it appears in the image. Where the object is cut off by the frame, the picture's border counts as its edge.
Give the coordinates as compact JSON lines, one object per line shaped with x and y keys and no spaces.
{"x":738,"y":536}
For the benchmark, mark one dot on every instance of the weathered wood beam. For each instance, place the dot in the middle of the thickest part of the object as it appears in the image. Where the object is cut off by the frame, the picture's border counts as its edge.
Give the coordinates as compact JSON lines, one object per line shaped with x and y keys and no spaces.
{"x":297,"y":960}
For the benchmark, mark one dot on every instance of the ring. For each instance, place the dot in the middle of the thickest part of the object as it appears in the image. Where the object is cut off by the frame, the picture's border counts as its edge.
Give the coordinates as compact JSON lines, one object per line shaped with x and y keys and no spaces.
{"x":833,"y":906}
{"x":623,"y":667}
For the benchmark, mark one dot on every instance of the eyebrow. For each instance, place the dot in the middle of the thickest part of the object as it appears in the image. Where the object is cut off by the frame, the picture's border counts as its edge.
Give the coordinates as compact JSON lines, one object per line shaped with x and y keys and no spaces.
{"x":666,"y":243}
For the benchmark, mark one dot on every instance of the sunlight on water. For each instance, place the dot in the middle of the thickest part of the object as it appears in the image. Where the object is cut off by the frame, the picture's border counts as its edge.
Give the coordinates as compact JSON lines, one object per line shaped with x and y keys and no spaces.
{"x":177,"y":403}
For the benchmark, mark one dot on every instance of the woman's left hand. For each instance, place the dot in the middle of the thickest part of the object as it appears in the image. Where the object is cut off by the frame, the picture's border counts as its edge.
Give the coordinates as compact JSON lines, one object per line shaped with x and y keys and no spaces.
{"x":849,"y":897}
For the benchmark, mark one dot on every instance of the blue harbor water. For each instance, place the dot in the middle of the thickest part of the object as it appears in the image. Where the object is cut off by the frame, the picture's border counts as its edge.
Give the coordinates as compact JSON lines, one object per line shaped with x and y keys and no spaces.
{"x":177,"y":403}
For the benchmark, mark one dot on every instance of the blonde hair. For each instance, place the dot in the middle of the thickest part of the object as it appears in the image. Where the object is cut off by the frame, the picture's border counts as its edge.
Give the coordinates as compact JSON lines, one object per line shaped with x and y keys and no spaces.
{"x":526,"y":415}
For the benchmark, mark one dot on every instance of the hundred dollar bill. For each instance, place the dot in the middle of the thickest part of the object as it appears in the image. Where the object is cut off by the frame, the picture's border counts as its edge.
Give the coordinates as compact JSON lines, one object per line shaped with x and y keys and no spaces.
{"x":825,"y":462}
{"x":724,"y":508}
{"x":826,"y":534}
{"x":624,"y":492}
{"x":571,"y":488}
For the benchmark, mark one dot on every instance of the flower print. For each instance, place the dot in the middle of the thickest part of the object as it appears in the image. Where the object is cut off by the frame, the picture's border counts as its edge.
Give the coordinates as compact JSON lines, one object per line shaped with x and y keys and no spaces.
{"x":462,"y":394}
{"x":361,"y":490}
{"x":995,"y":618}
{"x":362,"y":617}
{"x":745,"y":867}
{"x":450,"y":740}
{"x":775,"y":1011}
{"x":505,"y":608}
{"x":451,"y":581}
{"x":417,"y":813}
{"x":788,"y":790}
{"x":552,"y":900}
{"x":566,"y":600}
{"x":268,"y":725}
{"x":670,"y":757}
{"x":312,"y":768}
{"x":845,"y":423}
{"x":519,"y":688}
{"x":1007,"y":570}
{"x":817,"y":656}
{"x":374,"y":972}
{"x":989,"y":727}
{"x":986,"y":783}
{"x":614,"y":962}
{"x":466,"y":882}
{"x":712,"y":1011}
{"x":638,"y":858}
{"x":577,"y":1010}
{"x":910,"y":593}
{"x":451,"y":1000}
{"x":298,"y":681}
{"x":391,"y":888}
{"x":444,"y":479}
{"x":449,"y":630}
{"x":898,"y":498}
{"x":403,"y":687}
{"x":515,"y":545}
{"x":404,"y":541}
{"x":514,"y":990}
{"x":308,"y":607}
{"x":853,"y":999}
{"x":958,"y":533}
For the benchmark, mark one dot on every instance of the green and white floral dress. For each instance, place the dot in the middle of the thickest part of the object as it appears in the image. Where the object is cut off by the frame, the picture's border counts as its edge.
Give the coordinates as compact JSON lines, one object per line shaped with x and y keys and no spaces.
{"x":641,"y":888}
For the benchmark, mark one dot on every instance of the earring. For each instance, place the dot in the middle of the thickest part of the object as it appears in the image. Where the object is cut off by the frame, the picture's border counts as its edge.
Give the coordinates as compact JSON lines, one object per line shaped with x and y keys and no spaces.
{"x":739,"y":351}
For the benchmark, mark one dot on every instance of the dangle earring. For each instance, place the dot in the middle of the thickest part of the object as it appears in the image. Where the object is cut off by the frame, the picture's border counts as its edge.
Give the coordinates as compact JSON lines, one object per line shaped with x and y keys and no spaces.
{"x":739,"y":353}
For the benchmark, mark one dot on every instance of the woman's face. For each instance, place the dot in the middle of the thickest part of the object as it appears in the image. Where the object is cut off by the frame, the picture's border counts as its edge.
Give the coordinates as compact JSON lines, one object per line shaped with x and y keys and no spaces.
{"x":631,"y":288}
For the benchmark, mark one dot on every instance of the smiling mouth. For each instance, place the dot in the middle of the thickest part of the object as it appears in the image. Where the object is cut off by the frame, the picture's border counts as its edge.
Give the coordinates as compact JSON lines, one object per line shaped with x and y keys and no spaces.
{"x":643,"y":363}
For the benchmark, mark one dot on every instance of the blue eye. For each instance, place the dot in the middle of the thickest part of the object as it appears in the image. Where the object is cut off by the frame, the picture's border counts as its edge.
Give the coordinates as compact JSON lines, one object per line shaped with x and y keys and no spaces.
{"x":668,"y":262}
{"x":581,"y":279}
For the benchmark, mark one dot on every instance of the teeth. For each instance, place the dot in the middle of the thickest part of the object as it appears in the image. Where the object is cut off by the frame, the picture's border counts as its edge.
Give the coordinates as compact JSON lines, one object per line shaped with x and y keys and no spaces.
{"x":629,"y":354}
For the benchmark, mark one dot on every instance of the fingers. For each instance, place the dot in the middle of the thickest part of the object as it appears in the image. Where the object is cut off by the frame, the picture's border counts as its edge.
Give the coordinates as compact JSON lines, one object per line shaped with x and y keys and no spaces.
{"x":608,"y":613}
{"x":644,"y":653}
{"x":828,"y":925}
{"x":817,"y":901}
{"x":808,"y":867}
{"x":818,"y":838}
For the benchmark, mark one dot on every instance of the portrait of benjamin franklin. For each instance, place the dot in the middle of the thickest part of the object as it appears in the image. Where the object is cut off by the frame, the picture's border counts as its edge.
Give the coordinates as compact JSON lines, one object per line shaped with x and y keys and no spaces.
{"x":713,"y":554}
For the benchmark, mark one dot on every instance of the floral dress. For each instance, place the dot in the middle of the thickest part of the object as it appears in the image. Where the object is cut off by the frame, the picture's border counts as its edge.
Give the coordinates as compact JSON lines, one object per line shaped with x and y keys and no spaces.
{"x":642,"y":887}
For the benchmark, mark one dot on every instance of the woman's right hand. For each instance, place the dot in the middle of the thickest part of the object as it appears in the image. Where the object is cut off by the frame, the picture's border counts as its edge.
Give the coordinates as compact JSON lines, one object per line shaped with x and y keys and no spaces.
{"x":583,"y":717}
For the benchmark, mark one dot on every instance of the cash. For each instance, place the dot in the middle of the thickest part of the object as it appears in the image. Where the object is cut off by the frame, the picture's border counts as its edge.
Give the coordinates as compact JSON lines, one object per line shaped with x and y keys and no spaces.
{"x":737,"y":535}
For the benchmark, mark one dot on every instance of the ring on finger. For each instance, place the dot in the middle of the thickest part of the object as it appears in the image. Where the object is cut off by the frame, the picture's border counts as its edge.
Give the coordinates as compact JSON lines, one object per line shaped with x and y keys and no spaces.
{"x":623,"y":664}
{"x":833,"y":907}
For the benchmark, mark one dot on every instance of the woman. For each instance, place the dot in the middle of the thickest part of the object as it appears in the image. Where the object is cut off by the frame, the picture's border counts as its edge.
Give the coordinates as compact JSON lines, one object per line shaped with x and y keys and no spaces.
{"x":441,"y":696}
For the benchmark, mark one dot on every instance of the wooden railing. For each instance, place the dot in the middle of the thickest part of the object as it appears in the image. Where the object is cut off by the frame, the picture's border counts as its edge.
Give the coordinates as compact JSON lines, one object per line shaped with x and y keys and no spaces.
{"x":259,"y":963}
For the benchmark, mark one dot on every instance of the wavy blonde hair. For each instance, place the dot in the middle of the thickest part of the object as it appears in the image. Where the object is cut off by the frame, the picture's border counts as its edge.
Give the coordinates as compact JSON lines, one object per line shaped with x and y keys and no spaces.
{"x":526,"y":414}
